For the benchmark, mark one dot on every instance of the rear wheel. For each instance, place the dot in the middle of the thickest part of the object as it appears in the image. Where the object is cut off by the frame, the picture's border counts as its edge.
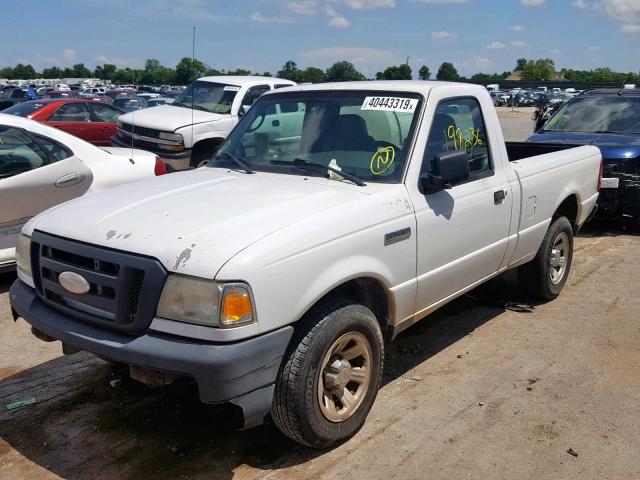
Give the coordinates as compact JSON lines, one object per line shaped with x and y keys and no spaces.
{"x":545,"y":276}
{"x":330,"y":379}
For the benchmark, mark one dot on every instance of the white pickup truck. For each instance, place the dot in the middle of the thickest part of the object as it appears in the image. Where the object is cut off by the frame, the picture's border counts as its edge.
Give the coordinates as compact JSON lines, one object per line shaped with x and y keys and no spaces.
{"x":332,"y":214}
{"x":189,"y":130}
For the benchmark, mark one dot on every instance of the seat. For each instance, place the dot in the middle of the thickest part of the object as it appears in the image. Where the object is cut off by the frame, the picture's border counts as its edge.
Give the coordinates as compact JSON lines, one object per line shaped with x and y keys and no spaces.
{"x":349,"y":133}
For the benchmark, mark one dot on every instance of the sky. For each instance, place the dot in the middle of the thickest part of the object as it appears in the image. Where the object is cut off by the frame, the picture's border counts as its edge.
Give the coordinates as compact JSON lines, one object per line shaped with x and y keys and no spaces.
{"x":260,"y":35}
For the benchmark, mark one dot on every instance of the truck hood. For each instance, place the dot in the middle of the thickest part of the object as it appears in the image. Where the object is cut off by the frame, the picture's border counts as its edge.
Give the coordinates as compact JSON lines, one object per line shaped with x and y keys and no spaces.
{"x":169,"y":118}
{"x":193,"y":222}
{"x":613,"y":147}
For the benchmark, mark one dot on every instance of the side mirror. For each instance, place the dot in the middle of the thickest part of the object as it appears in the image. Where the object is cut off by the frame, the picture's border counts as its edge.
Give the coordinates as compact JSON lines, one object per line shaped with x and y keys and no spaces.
{"x":243,"y":110}
{"x":451,"y":169}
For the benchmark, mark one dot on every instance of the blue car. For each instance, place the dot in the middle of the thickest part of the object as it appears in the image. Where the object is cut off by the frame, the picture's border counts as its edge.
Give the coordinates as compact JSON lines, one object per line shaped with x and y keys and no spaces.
{"x":610,"y":120}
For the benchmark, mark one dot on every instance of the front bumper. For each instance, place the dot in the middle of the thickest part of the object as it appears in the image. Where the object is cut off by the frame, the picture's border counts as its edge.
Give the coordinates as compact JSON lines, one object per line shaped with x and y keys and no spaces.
{"x":243,"y":372}
{"x":177,"y":161}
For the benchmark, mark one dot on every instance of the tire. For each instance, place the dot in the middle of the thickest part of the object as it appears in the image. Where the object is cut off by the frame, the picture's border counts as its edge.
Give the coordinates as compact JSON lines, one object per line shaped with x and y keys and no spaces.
{"x":544,"y":277}
{"x":310,"y":378}
{"x":203,"y":154}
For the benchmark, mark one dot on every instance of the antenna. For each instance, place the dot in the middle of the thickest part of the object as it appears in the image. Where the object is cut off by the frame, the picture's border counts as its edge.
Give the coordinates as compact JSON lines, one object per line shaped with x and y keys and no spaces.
{"x":133,"y":121}
{"x":193,"y":60}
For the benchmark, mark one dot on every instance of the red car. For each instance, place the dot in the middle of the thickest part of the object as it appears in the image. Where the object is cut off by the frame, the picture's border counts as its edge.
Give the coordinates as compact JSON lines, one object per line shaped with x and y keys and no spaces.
{"x":93,"y":121}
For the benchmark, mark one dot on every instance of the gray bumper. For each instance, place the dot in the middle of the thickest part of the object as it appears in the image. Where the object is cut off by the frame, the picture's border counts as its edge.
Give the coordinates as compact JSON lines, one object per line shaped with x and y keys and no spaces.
{"x":242,"y":373}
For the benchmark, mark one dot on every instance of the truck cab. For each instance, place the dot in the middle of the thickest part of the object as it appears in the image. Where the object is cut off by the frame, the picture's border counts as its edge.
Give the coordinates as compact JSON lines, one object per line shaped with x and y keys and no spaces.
{"x":187,"y":132}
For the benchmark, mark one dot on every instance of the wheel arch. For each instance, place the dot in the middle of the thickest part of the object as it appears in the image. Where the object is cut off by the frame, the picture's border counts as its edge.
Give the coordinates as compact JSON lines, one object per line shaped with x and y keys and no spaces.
{"x":367,"y":290}
{"x":204,"y":145}
{"x":569,"y":208}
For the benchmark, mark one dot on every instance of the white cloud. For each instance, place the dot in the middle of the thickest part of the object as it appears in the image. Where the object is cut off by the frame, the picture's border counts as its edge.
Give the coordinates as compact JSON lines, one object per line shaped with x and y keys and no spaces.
{"x":519,"y":43}
{"x":625,"y":10}
{"x":443,"y":2}
{"x":369,"y":4}
{"x":118,"y":62}
{"x":356,"y":55}
{"x":304,"y":7}
{"x":69,"y":54}
{"x":443,"y":35}
{"x":580,"y":4}
{"x":338,"y":22}
{"x":593,"y":49}
{"x":475,"y":64}
{"x":555,"y":51}
{"x":516,"y":28}
{"x":495,"y":45}
{"x":628,"y":28}
{"x":532,"y":3}
{"x":260,"y":18}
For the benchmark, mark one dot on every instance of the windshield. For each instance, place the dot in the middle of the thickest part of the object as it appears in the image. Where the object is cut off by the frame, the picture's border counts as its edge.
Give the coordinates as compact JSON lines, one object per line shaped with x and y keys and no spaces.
{"x":207,"y":96}
{"x":365,"y":133}
{"x":614,"y":114}
{"x":23,"y":109}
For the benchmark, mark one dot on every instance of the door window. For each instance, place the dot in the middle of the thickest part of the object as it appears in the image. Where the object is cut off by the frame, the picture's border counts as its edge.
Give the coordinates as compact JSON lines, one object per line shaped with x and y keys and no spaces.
{"x":254,"y":94}
{"x":18,"y":152}
{"x":55,"y":150}
{"x":458,"y":125}
{"x":105,"y":113}
{"x":71,"y":112}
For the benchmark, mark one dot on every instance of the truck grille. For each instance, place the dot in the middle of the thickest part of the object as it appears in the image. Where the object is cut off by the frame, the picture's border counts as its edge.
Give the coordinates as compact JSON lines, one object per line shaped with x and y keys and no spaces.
{"x":145,"y":132}
{"x":124,"y":289}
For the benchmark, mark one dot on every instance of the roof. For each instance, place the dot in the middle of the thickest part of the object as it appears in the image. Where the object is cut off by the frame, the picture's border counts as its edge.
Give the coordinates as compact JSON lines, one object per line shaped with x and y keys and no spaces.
{"x":417,"y":86}
{"x":613,"y":91}
{"x":240,"y":80}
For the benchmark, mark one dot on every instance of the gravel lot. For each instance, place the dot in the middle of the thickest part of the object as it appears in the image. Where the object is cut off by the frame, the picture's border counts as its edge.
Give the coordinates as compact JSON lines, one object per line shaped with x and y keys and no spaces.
{"x":476,"y":391}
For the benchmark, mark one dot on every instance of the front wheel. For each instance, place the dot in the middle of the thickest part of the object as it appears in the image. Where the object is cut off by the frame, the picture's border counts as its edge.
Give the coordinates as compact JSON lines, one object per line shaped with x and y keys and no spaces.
{"x":330,"y":378}
{"x":545,"y":276}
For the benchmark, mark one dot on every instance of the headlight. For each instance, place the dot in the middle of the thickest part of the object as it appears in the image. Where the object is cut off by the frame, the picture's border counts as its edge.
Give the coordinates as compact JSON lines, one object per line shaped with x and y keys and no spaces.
{"x":172,"y":137}
{"x":204,"y":302}
{"x":23,"y":256}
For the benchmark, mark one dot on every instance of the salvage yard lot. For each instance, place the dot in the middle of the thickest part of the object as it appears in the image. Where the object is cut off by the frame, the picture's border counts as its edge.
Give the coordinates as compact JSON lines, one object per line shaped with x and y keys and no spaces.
{"x":476,"y":391}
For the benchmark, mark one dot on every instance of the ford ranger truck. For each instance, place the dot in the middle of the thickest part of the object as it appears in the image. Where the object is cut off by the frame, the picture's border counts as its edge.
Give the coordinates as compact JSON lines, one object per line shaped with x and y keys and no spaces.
{"x":333,"y":216}
{"x":188,"y":131}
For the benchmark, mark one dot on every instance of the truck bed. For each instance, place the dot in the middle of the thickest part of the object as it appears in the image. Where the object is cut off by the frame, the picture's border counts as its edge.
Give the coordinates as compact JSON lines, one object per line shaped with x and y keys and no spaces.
{"x":520,"y":150}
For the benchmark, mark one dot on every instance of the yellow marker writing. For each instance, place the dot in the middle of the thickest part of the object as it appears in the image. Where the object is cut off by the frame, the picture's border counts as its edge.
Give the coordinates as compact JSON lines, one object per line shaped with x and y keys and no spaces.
{"x":382,"y":160}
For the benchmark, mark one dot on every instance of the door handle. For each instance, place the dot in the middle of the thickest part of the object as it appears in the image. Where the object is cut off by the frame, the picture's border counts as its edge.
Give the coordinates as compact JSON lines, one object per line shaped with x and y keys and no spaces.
{"x":68,"y":180}
{"x":499,"y":196}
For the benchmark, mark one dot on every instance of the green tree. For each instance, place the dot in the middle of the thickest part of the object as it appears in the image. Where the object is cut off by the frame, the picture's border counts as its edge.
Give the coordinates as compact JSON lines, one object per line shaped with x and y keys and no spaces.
{"x":105,"y":72}
{"x":289,"y":71}
{"x":401,"y":72}
{"x":521,"y":63}
{"x":310,"y":75}
{"x":343,"y":72}
{"x":52,"y":72}
{"x":239,"y":71}
{"x":187,"y":71}
{"x":424,"y":73}
{"x":80,"y":71}
{"x":21,"y":71}
{"x":541,"y":69}
{"x":447,"y":72}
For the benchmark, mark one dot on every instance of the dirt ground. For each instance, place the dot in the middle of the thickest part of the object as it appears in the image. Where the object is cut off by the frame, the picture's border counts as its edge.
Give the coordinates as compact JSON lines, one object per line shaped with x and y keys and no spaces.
{"x":475,"y":391}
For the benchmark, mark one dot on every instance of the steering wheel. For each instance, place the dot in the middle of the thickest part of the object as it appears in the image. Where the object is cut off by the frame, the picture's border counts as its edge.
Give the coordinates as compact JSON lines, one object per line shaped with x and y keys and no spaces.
{"x":252,"y":129}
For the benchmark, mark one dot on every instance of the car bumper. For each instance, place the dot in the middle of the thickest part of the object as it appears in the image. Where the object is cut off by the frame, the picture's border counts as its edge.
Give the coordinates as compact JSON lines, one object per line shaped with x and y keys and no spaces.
{"x":177,"y":161}
{"x":242,"y":373}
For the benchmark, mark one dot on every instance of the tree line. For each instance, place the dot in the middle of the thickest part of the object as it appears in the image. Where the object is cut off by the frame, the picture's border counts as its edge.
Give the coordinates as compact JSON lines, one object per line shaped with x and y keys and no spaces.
{"x":187,"y":70}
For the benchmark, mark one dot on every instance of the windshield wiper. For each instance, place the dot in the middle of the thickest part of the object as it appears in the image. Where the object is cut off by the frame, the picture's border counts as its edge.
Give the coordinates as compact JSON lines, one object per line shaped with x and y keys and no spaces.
{"x":301,"y":163}
{"x":241,"y":163}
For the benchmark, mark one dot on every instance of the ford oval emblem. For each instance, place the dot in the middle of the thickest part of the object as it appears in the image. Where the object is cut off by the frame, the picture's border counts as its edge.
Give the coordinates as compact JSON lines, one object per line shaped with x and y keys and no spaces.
{"x":74,"y":283}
